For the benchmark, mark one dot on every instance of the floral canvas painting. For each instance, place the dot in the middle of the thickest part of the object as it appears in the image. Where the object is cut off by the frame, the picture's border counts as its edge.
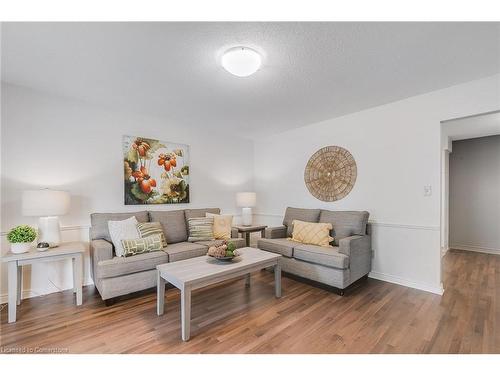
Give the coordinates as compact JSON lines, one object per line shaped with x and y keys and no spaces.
{"x":155,"y":172}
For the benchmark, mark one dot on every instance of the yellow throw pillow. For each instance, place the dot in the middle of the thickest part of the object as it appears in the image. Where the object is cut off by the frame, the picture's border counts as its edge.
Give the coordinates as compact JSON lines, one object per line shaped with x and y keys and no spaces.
{"x":222,"y":226}
{"x":312,"y":233}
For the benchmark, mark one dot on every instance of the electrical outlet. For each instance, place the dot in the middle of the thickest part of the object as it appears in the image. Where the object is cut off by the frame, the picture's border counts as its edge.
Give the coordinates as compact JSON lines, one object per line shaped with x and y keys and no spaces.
{"x":427,"y":191}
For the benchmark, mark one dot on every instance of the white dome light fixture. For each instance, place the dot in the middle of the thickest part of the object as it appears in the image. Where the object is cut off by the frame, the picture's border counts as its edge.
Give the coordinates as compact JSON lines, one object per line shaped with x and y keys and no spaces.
{"x":241,"y":61}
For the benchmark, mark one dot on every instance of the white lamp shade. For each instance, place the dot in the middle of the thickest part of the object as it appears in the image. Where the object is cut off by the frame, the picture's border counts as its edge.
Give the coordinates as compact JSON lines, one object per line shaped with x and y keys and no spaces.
{"x":45,"y":202}
{"x":246,"y":199}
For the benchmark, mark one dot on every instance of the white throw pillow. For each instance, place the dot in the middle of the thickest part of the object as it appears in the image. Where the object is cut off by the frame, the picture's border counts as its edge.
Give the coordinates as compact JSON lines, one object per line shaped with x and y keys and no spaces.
{"x":122,"y":230}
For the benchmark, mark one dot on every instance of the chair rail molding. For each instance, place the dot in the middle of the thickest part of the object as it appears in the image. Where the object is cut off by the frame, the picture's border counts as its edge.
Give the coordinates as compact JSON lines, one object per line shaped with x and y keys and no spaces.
{"x":373,"y":223}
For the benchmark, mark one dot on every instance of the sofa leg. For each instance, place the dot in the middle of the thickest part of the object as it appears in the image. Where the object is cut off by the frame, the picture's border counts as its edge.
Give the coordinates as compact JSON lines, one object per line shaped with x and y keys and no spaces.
{"x":341,"y":292}
{"x":109,"y":302}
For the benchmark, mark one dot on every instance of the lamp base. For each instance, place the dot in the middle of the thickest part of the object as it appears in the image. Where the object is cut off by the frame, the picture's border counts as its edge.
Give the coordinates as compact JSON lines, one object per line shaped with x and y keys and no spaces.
{"x":246,"y":216}
{"x":49,"y":231}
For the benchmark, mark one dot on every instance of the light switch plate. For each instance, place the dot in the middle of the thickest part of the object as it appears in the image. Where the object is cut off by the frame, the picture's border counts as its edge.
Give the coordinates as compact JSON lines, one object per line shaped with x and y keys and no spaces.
{"x":427,"y":191}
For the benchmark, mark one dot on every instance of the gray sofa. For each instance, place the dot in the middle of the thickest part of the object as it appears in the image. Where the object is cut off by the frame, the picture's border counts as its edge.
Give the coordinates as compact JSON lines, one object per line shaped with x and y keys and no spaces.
{"x":340,"y":266}
{"x":115,"y":276}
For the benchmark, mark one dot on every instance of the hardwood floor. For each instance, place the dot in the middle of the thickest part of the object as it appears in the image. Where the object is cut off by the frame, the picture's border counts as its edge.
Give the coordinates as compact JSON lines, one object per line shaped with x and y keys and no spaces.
{"x":376,"y":317}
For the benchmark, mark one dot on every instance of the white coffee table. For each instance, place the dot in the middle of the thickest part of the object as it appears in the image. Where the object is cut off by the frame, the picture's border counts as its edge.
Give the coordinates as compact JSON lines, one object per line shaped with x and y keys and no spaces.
{"x":195,"y":273}
{"x":68,"y":250}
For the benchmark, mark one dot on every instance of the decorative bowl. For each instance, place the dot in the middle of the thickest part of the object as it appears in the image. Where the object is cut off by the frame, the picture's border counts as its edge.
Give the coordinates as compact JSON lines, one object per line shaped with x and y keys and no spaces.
{"x":224,"y":259}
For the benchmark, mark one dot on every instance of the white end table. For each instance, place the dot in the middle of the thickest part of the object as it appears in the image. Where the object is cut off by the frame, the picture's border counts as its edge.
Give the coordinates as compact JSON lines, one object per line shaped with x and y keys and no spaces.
{"x":68,"y":250}
{"x":245,"y":230}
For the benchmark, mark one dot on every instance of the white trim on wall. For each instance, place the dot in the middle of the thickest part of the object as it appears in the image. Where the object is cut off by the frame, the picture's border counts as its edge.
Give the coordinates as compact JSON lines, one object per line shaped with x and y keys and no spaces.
{"x":405,"y":282}
{"x":476,"y":248}
{"x":29,"y":293}
{"x":63,"y":229}
{"x":375,"y":223}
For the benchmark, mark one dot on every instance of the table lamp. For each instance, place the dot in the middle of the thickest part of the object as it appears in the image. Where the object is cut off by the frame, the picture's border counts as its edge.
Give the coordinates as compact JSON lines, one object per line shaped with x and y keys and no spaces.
{"x":246,"y":200}
{"x":47,"y":205}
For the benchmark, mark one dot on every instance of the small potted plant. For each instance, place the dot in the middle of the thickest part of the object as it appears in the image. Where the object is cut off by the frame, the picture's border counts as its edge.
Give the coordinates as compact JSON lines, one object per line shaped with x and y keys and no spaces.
{"x":20,"y":238}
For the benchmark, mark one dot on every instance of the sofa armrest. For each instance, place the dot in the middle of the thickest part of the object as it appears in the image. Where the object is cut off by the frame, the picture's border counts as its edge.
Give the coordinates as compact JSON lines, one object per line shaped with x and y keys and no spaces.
{"x":99,"y":250}
{"x":275,"y":232}
{"x":354,"y":245}
{"x":359,"y":251}
{"x":234,"y":233}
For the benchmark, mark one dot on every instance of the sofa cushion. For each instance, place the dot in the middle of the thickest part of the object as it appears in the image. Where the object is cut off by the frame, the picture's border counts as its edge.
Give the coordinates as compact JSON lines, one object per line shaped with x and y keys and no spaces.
{"x":99,"y":222}
{"x":281,"y":246}
{"x":173,"y":223}
{"x":345,"y":223}
{"x":302,"y":214}
{"x":238,"y":242}
{"x":119,"y":266}
{"x":326,"y":256}
{"x":200,"y":212}
{"x":185,"y":250}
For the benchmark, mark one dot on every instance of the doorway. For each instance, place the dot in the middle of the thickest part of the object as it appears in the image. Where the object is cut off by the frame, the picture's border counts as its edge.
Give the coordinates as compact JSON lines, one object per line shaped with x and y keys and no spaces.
{"x":470,"y":185}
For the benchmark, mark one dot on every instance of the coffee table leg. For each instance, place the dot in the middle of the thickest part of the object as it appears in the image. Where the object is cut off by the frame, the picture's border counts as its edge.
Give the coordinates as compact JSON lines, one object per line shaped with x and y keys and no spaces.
{"x":247,"y":238}
{"x":160,"y":294}
{"x":186,"y":313}
{"x":12,"y":288}
{"x":277,"y":280}
{"x":247,"y":280}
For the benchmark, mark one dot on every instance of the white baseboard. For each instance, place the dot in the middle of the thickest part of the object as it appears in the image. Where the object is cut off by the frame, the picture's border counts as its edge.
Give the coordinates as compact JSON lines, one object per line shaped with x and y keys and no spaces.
{"x":479,"y":249}
{"x":406,"y":282}
{"x":444,"y":250}
{"x":4,"y":298}
{"x":29,"y":293}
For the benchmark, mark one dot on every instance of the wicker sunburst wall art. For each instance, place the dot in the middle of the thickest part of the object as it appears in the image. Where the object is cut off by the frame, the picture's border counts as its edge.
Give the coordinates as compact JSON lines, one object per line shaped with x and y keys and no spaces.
{"x":330,"y":173}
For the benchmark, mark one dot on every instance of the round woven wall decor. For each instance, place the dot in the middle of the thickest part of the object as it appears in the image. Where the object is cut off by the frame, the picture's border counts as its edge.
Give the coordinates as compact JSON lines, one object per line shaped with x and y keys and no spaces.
{"x":330,"y":173}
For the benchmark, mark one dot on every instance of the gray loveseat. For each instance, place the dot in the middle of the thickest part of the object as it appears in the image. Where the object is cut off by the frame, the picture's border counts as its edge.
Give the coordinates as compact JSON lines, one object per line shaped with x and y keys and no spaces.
{"x":115,"y":276}
{"x":340,"y":266}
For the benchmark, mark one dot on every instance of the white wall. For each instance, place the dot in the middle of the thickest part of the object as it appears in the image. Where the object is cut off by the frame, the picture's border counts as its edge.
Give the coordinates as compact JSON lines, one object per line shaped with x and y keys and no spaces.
{"x":397,"y":148}
{"x":475,"y":194}
{"x":50,"y":141}
{"x":62,"y":143}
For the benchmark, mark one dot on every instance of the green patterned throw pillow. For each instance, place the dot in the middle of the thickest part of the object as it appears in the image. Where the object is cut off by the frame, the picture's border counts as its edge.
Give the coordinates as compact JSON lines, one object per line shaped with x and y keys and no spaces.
{"x":142,"y":245}
{"x":151,"y":229}
{"x":201,"y":229}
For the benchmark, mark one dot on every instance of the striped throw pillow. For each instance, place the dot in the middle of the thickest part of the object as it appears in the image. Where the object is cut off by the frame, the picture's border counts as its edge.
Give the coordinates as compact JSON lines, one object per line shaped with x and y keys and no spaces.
{"x":142,"y":245}
{"x":151,"y":229}
{"x":201,"y":229}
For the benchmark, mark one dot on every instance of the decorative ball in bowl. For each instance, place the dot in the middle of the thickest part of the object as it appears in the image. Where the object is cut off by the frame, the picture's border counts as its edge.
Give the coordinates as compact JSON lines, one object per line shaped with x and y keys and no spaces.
{"x":224,"y":251}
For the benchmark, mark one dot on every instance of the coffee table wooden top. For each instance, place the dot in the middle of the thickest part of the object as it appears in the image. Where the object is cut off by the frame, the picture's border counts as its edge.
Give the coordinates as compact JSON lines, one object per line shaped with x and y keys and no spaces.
{"x":65,"y":248}
{"x":200,"y":269}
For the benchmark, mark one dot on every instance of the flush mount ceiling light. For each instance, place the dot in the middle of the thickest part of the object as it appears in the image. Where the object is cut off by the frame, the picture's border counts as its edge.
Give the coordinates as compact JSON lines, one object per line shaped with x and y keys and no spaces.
{"x":241,"y":61}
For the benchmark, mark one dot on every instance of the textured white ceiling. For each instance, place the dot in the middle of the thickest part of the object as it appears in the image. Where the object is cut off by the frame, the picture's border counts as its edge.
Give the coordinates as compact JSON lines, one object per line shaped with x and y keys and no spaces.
{"x":311,"y":71}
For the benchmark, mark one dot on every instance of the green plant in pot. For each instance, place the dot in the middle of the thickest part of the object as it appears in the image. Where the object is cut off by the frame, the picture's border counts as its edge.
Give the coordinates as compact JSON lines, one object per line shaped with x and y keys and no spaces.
{"x":20,"y":238}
